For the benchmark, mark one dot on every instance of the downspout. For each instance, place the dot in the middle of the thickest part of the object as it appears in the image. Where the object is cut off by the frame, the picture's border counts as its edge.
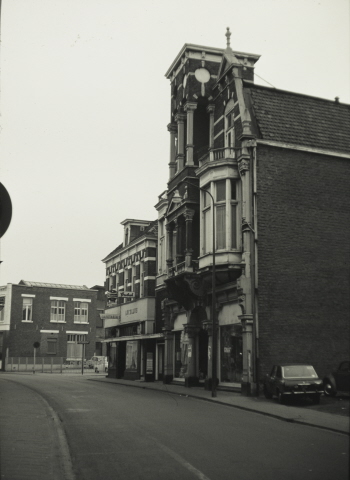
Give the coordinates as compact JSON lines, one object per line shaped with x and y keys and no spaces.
{"x":254,"y":251}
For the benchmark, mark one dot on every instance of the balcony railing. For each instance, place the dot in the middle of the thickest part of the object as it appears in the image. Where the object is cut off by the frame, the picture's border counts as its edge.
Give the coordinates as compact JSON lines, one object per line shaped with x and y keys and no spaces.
{"x":181,"y":267}
{"x":217,"y":154}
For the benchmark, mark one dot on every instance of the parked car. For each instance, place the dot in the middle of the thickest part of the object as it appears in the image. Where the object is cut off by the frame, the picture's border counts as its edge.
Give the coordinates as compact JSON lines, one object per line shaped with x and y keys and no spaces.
{"x":98,"y":363}
{"x":293,"y":380}
{"x":339,"y":380}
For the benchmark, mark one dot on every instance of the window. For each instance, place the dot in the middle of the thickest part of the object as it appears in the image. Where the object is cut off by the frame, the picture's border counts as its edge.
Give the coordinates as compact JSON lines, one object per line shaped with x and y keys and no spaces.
{"x":207,"y":220}
{"x":52,"y":346}
{"x":2,"y":309}
{"x":221,"y":226}
{"x":27,"y":309}
{"x":234,"y":207}
{"x":229,"y":125}
{"x":58,"y":308}
{"x":75,"y":349}
{"x":226,"y":216}
{"x":220,"y":214}
{"x":80,"y":312}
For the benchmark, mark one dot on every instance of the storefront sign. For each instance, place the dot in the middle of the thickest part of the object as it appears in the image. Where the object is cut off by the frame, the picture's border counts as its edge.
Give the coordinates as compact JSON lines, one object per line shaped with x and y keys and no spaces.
{"x":131,"y":311}
{"x":229,"y":313}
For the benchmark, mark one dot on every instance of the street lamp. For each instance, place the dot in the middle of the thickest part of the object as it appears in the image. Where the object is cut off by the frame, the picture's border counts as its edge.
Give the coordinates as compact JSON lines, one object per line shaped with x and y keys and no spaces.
{"x":213,"y":303}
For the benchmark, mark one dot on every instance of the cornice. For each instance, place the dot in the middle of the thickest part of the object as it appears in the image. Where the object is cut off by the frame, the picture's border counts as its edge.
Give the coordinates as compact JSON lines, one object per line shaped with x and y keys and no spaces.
{"x":303,"y":148}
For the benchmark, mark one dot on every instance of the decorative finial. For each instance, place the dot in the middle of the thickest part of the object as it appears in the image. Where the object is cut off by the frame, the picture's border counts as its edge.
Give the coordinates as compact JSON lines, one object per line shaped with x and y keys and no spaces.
{"x":228,"y":35}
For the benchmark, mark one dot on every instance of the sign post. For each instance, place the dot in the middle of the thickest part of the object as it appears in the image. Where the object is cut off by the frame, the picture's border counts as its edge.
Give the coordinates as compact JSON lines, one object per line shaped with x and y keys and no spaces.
{"x":82,"y":355}
{"x":35,"y":345}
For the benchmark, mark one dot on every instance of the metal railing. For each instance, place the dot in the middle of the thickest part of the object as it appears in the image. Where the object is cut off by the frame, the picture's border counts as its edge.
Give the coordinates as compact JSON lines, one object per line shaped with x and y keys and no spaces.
{"x":45,"y":365}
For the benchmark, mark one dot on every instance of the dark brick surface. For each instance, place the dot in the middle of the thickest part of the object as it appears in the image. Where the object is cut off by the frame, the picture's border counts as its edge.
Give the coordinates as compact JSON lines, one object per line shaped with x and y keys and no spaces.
{"x":19,"y":340}
{"x":303,"y":245}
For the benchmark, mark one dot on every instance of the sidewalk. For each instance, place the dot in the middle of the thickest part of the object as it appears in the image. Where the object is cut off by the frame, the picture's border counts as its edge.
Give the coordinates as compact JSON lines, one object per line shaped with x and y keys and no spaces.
{"x":288,"y":413}
{"x":29,"y":442}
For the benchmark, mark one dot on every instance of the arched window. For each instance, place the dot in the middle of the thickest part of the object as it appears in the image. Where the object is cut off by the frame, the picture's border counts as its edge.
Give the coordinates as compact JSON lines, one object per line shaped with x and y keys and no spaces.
{"x":229,"y":125}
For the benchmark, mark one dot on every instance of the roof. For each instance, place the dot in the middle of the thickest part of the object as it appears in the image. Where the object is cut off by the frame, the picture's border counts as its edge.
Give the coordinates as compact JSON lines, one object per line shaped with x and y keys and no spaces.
{"x":53,"y":285}
{"x":300,"y":119}
{"x":151,"y":229}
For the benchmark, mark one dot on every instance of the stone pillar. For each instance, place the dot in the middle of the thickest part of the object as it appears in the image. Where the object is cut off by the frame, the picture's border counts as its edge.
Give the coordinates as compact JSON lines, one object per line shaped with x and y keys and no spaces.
{"x":191,"y":378}
{"x":169,"y":245}
{"x":207,"y":325}
{"x":172,"y":128}
{"x":248,"y":357}
{"x":178,"y":233}
{"x":190,"y":108}
{"x":189,"y":214}
{"x":180,"y":158}
{"x":168,"y":357}
{"x":210,"y":110}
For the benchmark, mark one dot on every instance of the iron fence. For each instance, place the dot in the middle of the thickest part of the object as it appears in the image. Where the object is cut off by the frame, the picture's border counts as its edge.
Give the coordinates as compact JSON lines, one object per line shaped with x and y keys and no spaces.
{"x":44,"y":365}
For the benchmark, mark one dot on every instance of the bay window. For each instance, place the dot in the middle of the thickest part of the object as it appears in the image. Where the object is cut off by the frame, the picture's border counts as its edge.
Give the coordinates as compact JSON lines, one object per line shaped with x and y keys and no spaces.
{"x":226,"y":216}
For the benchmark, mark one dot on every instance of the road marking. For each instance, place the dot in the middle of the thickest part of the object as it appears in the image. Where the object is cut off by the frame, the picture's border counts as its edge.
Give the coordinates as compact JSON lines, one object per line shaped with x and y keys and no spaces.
{"x":182,"y":461}
{"x":77,"y":410}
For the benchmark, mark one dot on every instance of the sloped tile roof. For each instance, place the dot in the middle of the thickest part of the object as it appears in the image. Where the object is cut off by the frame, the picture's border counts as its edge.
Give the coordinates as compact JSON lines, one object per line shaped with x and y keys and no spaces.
{"x":300,"y":119}
{"x":52,"y":285}
{"x":151,"y":229}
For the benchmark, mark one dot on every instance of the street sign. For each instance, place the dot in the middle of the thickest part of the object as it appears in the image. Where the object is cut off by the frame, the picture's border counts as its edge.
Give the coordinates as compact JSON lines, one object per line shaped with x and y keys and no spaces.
{"x":5,"y":210}
{"x":127,"y":294}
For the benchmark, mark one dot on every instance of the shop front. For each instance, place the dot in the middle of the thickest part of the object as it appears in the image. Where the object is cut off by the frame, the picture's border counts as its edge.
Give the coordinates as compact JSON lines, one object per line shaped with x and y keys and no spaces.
{"x":230,"y":344}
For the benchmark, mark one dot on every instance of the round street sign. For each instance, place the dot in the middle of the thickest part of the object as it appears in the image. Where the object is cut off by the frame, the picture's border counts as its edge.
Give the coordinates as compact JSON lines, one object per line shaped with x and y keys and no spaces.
{"x":5,"y":210}
{"x":36,"y":344}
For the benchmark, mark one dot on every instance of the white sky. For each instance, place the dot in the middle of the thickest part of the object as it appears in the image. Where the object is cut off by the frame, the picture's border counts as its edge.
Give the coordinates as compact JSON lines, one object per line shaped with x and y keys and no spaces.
{"x":85,"y":107}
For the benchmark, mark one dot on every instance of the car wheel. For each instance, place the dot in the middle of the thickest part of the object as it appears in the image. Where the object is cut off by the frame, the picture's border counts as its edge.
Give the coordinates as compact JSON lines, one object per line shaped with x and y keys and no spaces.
{"x":280,"y":397}
{"x":267,"y":393}
{"x":328,"y":389}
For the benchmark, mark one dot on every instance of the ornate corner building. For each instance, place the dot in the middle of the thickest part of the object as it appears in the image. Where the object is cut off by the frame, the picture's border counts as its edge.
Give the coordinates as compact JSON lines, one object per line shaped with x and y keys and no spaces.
{"x":257,"y":189}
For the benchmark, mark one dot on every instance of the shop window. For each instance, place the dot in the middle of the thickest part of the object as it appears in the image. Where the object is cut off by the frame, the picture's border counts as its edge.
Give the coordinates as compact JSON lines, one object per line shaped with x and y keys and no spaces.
{"x":231,"y":353}
{"x":131,"y":355}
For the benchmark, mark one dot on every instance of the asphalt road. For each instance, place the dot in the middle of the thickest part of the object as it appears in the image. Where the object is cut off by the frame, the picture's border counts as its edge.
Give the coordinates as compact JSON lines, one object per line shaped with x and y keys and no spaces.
{"x":116,"y":432}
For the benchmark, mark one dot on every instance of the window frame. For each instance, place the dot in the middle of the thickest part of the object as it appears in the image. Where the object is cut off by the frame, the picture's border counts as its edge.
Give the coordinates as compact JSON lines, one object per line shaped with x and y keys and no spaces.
{"x":60,"y":317}
{"x":78,"y":307}
{"x":27,"y":308}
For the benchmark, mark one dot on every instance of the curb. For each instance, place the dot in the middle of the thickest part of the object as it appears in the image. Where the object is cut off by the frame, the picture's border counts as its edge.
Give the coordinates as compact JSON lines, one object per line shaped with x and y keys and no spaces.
{"x":247,"y":409}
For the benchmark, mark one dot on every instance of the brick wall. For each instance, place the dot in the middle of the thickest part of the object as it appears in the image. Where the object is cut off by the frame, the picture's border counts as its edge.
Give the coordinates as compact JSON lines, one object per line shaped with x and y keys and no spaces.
{"x":22,"y":335}
{"x":303,"y":245}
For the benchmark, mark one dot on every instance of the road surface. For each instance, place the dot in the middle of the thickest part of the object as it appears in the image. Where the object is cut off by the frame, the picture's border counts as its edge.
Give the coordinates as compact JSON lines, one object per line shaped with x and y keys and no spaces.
{"x":117,"y":432}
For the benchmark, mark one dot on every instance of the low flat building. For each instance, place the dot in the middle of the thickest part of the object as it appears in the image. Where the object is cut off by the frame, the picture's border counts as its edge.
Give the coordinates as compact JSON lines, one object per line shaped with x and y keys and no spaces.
{"x":56,"y":318}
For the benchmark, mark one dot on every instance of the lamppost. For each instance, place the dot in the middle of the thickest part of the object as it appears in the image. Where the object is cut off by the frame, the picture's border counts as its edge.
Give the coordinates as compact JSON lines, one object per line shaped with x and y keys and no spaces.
{"x":213,"y":302}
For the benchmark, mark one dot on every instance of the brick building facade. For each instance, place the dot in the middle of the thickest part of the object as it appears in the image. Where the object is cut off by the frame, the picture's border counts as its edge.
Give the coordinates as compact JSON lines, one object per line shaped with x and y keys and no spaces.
{"x":134,"y":340}
{"x":57,"y":317}
{"x":271,"y":169}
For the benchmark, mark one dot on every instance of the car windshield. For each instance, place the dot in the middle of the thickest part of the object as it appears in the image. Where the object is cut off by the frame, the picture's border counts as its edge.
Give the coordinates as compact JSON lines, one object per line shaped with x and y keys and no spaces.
{"x":299,"y":371}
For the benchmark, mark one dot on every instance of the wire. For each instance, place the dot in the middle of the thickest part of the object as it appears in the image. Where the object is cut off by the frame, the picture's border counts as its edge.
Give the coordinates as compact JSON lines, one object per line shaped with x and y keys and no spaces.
{"x":264,"y":80}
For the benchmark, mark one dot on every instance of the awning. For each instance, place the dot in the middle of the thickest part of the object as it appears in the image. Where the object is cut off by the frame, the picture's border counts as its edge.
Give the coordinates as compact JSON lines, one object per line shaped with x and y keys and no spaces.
{"x":133,"y":337}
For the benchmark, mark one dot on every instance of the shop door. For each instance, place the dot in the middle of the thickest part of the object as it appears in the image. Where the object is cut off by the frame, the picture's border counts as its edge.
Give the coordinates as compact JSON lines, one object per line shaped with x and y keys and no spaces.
{"x":203,"y":354}
{"x":160,"y":365}
{"x":121,"y":354}
{"x":150,"y":363}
